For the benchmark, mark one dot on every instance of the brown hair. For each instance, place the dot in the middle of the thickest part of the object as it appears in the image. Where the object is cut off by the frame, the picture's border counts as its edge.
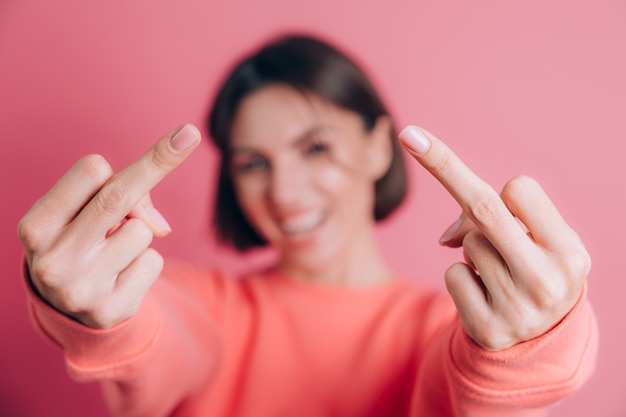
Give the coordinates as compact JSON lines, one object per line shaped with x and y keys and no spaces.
{"x":308,"y":65}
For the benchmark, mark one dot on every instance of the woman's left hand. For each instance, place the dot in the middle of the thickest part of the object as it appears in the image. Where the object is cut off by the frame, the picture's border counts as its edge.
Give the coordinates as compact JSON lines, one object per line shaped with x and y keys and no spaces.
{"x":525,"y":267}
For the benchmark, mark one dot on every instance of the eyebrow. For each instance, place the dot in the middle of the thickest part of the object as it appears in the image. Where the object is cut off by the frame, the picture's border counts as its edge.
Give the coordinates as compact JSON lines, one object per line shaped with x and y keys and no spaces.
{"x":298,"y":141}
{"x":313,"y":131}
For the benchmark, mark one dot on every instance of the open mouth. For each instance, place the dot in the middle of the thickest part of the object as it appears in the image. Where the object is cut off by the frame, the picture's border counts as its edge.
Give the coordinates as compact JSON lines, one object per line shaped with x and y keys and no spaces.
{"x":299,"y":227}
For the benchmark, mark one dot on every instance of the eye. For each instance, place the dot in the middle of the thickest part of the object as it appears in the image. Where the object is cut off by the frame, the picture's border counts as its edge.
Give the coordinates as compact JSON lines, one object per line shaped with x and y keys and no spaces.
{"x":316,"y":148}
{"x":249,"y":164}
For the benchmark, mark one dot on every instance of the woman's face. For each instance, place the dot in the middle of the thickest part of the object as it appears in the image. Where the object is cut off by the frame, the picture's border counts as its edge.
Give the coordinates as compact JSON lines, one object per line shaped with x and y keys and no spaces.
{"x":304,"y":172}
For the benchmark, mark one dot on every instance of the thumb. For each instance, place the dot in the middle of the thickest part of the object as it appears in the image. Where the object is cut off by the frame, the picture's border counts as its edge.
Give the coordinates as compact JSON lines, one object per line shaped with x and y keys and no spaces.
{"x":454,"y":234}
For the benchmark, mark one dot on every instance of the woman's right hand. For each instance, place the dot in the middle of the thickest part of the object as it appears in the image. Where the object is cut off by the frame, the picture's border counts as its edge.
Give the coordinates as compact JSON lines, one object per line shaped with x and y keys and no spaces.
{"x":87,"y":241}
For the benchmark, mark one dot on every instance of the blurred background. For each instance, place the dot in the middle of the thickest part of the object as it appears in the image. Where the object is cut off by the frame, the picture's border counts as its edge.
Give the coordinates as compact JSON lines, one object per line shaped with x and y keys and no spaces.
{"x":528,"y":87}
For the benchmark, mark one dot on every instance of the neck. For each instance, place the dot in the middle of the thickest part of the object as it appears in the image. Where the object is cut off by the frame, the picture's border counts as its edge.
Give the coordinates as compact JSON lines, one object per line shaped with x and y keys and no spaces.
{"x":361,"y":265}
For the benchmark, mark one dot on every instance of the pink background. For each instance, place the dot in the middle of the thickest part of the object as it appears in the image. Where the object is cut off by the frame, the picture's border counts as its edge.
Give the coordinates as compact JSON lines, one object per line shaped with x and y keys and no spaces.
{"x":533,"y":87}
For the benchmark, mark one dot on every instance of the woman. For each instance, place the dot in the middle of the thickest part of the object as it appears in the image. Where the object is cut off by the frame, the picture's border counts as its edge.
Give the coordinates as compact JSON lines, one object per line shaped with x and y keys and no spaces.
{"x":310,"y":162}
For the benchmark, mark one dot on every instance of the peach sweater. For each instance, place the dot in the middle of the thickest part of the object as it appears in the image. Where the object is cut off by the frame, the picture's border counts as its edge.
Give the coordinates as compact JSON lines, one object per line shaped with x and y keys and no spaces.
{"x":207,"y":344}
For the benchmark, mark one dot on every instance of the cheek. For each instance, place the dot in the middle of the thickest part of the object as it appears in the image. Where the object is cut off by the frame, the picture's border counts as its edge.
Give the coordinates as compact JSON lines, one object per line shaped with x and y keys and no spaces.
{"x":249,"y":198}
{"x":351,"y":173}
{"x":351,"y":188}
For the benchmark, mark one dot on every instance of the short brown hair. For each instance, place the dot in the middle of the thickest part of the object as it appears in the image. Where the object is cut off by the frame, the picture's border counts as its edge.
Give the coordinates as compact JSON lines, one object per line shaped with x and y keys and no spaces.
{"x":311,"y":66}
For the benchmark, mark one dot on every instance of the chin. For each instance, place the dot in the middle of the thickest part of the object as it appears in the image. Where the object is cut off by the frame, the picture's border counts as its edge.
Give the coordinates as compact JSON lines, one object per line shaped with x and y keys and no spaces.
{"x":311,"y":257}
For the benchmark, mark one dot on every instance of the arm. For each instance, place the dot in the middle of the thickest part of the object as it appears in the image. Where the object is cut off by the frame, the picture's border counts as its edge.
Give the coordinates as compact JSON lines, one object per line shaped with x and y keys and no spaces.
{"x":148,"y":364}
{"x":526,"y":335}
{"x":88,"y":256}
{"x":460,"y":378}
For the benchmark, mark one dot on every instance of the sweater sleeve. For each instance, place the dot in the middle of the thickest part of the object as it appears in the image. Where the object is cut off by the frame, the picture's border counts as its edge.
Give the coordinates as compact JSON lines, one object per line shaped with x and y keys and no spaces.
{"x":147,"y":365}
{"x":459,"y":378}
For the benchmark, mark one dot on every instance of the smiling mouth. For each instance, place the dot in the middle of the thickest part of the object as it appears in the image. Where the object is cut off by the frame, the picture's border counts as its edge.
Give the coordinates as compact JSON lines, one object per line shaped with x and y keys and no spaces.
{"x":298,"y":227}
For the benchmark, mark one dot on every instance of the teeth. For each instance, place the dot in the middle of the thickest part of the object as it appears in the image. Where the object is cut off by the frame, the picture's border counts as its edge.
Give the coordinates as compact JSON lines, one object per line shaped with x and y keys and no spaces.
{"x":302,"y":224}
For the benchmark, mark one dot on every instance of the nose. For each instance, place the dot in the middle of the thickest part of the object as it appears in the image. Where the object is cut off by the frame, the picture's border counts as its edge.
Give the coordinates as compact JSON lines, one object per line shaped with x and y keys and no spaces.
{"x":287,"y":183}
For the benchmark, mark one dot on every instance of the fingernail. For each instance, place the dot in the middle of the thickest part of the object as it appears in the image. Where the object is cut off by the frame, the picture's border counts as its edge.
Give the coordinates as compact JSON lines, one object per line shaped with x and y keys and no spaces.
{"x":415,"y":140}
{"x":157,"y":219}
{"x":451,"y":231}
{"x":184,"y":138}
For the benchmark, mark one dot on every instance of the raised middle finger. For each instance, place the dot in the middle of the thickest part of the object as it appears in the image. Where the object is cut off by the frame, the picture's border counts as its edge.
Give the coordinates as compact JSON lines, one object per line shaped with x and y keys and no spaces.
{"x":126,"y":188}
{"x":479,"y":201}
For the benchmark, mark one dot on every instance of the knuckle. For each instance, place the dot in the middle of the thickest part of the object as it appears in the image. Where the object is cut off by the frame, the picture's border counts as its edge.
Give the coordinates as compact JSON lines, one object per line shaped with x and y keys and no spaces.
{"x":96,"y":309}
{"x":450,"y":277}
{"x":162,"y":158}
{"x":153,"y":263}
{"x":484,"y":208}
{"x":549,"y":295}
{"x":47,"y":272}
{"x":30,"y":235}
{"x":518,"y":187}
{"x":95,"y":167}
{"x":473,"y":239}
{"x":577,"y":262}
{"x":441,"y":165}
{"x":33,"y":229}
{"x":156,"y":260}
{"x":73,"y":298}
{"x":110,"y":198}
{"x":583,"y":263}
{"x":452,"y":274}
{"x":139,"y":231}
{"x":99,"y":312}
{"x":115,"y":309}
{"x":457,"y":277}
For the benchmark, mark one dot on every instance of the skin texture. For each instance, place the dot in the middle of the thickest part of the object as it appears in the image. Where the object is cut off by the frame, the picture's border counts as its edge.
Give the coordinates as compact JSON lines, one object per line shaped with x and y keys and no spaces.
{"x":525,"y":266}
{"x":304,"y":173}
{"x":297,"y":158}
{"x":87,"y":240}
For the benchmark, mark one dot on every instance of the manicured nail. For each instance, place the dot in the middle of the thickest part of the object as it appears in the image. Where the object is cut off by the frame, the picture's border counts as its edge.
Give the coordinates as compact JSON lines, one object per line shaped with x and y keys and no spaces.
{"x":184,"y":138}
{"x":414,"y":139}
{"x":157,"y":219}
{"x":451,"y":231}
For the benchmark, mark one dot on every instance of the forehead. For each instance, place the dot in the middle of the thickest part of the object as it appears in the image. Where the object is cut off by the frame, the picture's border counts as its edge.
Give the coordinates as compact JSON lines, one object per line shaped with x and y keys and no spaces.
{"x":279,"y":113}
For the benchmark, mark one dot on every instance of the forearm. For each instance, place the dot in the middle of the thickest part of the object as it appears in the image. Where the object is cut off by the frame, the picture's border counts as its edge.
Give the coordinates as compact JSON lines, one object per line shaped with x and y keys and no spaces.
{"x":459,"y":378}
{"x":148,"y":364}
